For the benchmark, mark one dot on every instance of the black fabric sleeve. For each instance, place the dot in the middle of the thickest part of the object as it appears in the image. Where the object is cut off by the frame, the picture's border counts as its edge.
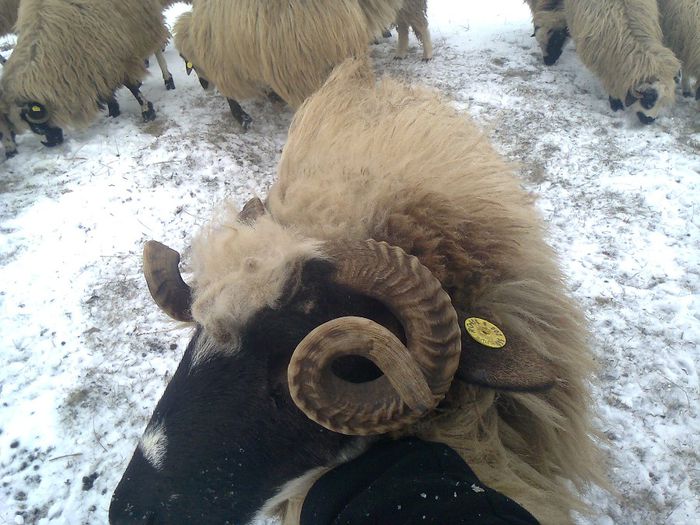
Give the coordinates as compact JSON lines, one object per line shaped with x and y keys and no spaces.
{"x":408,"y":482}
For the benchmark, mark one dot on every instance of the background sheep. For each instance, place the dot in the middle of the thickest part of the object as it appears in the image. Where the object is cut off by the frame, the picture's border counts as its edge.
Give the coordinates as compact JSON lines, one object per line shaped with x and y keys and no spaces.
{"x":551,"y":32}
{"x":394,"y":164}
{"x":680,"y":21}
{"x":621,"y":42}
{"x":414,"y":13}
{"x":246,"y":47}
{"x":8,"y":15}
{"x":59,"y":81}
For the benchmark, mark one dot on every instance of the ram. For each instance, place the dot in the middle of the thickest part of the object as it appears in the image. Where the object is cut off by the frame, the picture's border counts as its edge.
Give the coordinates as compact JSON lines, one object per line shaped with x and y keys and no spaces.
{"x":680,"y":21}
{"x":341,"y":311}
{"x":55,"y":80}
{"x":621,"y":42}
{"x":551,"y":31}
{"x":247,"y":48}
{"x":413,"y":14}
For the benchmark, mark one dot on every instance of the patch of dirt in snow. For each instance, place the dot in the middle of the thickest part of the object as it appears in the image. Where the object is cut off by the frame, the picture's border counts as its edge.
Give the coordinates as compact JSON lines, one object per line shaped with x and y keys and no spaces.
{"x":86,"y":354}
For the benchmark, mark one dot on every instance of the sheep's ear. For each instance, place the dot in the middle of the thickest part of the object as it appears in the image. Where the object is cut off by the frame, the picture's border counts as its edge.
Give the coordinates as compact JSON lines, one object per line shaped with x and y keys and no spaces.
{"x":493,"y":359}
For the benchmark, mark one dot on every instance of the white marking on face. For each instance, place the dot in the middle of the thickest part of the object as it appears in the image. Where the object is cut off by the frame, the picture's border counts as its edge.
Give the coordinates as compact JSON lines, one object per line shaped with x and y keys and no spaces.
{"x":154,"y":444}
{"x":208,"y":347}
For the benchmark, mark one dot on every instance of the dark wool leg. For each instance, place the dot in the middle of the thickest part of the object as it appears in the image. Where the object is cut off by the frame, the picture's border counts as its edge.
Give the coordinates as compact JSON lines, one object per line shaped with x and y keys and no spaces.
{"x":147,"y":110}
{"x":239,"y":114}
{"x":113,"y":107}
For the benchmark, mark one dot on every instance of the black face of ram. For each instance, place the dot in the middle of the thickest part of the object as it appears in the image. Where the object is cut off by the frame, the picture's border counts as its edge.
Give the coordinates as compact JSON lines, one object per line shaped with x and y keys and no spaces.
{"x":226,"y":434}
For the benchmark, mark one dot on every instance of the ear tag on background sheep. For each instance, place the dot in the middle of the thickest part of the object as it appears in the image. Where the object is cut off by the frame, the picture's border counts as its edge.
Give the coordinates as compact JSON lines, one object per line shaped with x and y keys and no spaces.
{"x":36,"y":109}
{"x":485,"y":333}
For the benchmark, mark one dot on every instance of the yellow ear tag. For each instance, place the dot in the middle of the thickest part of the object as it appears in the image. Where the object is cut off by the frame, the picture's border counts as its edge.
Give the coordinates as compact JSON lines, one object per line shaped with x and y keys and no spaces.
{"x":36,"y":109}
{"x":188,"y":65}
{"x":485,"y":333}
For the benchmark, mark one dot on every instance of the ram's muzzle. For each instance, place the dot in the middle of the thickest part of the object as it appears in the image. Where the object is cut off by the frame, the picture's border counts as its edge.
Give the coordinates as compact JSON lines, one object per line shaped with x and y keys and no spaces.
{"x":37,"y":117}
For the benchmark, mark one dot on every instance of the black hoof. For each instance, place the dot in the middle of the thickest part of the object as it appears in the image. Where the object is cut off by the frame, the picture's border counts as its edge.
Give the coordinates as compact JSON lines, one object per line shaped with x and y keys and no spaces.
{"x":386,"y":34}
{"x":149,"y":114}
{"x":630,"y":99}
{"x":649,"y":98}
{"x":616,"y":104}
{"x":645,"y":119}
{"x":687,"y":93}
{"x":10,"y":154}
{"x":245,"y":122}
{"x":204,"y":83}
{"x":555,"y":46}
{"x":169,"y":83}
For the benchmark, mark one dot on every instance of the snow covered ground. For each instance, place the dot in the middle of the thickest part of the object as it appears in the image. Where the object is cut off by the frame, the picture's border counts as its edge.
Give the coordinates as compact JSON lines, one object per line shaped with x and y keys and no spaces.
{"x":86,"y":354}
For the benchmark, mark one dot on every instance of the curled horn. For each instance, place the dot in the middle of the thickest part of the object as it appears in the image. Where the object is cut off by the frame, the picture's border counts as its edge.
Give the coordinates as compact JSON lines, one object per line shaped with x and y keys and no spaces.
{"x":169,"y":291}
{"x":416,"y":376}
{"x":252,"y":209}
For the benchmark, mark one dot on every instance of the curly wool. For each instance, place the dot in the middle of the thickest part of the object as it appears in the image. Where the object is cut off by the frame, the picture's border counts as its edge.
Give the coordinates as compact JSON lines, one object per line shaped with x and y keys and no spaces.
{"x":245,"y":47}
{"x":52,"y":64}
{"x":621,"y":42}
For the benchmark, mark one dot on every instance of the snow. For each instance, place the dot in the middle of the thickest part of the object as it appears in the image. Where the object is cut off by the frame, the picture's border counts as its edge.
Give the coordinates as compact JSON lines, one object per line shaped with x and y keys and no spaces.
{"x":86,"y":354}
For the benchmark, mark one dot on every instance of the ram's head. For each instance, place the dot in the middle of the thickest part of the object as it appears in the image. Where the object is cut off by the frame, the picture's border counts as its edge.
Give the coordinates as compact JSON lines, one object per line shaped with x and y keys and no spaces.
{"x":297,"y":359}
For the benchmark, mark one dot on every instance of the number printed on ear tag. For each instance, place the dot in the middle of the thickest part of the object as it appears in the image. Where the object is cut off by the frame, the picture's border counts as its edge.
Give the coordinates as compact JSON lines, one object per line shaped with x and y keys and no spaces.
{"x":485,"y":333}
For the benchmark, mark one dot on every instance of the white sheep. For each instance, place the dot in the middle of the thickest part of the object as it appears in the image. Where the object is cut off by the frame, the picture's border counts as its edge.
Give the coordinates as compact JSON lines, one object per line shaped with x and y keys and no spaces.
{"x":413,"y":14}
{"x":392,"y":219}
{"x":622,"y":43}
{"x":246,"y":48}
{"x":680,"y":22}
{"x":56,"y":80}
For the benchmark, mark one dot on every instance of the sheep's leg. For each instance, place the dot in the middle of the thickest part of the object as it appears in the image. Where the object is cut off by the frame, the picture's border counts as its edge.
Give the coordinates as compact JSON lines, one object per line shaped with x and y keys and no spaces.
{"x":7,"y":136}
{"x":402,"y":49}
{"x":113,"y":107}
{"x":167,"y":76}
{"x":239,"y":114}
{"x":423,"y":34}
{"x":147,"y":111}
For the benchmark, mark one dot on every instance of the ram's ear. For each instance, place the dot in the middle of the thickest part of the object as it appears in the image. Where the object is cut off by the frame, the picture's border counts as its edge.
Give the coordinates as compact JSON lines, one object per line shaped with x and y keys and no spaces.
{"x":498,"y":360}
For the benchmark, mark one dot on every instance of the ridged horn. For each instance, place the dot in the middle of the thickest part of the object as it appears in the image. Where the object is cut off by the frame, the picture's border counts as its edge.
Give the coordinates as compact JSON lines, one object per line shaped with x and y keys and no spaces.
{"x":253,"y":209}
{"x":416,"y":376}
{"x":169,"y":291}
